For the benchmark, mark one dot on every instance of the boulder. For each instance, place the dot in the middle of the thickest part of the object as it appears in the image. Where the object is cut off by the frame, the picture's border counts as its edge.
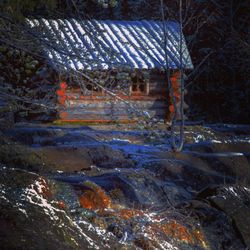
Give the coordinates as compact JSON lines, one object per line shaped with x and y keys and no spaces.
{"x":235,"y":202}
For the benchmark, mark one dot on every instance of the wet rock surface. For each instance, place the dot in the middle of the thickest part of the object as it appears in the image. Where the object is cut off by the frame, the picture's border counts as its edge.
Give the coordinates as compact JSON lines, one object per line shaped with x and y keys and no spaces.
{"x":234,"y":201}
{"x":93,"y":188}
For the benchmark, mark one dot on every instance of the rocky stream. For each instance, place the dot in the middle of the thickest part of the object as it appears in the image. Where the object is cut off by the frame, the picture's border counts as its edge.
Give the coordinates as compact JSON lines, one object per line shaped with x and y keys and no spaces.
{"x":119,"y":188}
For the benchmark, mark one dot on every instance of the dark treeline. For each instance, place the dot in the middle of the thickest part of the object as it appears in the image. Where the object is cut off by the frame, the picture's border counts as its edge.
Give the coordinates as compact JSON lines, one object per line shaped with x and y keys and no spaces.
{"x":217,"y":33}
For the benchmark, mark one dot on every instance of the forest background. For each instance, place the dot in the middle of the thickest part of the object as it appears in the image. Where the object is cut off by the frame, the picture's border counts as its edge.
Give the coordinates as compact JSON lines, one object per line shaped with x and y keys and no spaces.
{"x":216,"y":31}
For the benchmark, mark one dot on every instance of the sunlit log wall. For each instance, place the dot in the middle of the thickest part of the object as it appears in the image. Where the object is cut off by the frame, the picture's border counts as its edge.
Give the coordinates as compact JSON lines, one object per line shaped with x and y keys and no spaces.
{"x":146,"y":90}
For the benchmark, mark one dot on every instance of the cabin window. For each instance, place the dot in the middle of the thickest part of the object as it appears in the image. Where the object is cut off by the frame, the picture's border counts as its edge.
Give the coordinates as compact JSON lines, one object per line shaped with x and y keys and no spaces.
{"x":134,"y":87}
{"x":139,"y":88}
{"x":89,"y":87}
{"x":142,"y":88}
{"x":139,"y":85}
{"x":92,"y":90}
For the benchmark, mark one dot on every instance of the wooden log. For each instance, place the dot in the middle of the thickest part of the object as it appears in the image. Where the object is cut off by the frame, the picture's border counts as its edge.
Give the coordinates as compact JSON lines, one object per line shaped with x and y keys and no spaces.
{"x":159,"y":96}
{"x":106,"y":104}
{"x":109,"y":112}
{"x":70,"y":116}
{"x":67,"y":116}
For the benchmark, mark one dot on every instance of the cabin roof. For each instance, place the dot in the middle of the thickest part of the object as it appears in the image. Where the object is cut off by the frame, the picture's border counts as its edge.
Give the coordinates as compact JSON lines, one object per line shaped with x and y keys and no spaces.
{"x":97,"y":44}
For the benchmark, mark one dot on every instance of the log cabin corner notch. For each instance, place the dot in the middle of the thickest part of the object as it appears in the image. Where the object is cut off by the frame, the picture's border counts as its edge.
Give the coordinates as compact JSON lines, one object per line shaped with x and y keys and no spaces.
{"x":127,"y":57}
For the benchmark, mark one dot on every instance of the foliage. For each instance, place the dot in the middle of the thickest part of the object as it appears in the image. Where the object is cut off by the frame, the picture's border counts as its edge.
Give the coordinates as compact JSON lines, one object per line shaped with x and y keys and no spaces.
{"x":26,"y":83}
{"x":220,"y":89}
{"x":17,"y":9}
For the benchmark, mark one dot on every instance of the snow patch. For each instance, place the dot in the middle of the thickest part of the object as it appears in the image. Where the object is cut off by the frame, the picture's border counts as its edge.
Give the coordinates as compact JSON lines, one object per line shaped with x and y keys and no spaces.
{"x":120,"y":140}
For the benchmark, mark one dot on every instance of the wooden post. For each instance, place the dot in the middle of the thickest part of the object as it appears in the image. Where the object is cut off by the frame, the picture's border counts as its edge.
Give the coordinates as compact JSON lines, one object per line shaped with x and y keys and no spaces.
{"x":176,"y":85}
{"x":61,"y":93}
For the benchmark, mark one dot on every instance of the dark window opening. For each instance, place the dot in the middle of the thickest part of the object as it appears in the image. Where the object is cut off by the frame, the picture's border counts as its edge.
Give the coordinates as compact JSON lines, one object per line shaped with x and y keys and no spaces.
{"x":89,"y":87}
{"x":134,"y":87}
{"x":142,"y":87}
{"x":134,"y":79}
{"x":139,"y":88}
{"x":139,"y":84}
{"x":96,"y":89}
{"x":92,"y":90}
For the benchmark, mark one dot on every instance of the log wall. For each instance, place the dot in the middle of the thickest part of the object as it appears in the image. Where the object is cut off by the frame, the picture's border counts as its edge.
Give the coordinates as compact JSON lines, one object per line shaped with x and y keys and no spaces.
{"x":103,"y":108}
{"x":158,"y":85}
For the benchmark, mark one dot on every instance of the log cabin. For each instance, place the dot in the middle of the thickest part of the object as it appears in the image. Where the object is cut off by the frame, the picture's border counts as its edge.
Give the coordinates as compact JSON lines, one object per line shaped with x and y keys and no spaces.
{"x":109,"y":68}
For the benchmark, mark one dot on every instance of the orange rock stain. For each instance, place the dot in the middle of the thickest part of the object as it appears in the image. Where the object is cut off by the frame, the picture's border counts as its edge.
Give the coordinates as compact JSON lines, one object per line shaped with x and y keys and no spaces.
{"x":61,"y":205}
{"x":129,"y":213}
{"x":179,"y":232}
{"x":95,"y":199}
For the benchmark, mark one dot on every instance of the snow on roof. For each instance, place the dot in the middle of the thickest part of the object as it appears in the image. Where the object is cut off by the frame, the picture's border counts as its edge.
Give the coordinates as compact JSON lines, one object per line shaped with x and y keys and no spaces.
{"x":97,"y":44}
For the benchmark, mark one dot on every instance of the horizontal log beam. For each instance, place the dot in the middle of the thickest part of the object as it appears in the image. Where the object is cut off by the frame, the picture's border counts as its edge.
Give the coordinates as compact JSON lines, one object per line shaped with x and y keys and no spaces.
{"x":71,"y":96}
{"x":88,"y":121}
{"x":102,"y":112}
{"x":92,"y":104}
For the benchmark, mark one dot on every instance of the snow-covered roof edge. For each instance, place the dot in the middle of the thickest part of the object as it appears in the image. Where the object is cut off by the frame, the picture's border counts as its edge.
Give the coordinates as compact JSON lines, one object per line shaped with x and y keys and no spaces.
{"x":105,"y":44}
